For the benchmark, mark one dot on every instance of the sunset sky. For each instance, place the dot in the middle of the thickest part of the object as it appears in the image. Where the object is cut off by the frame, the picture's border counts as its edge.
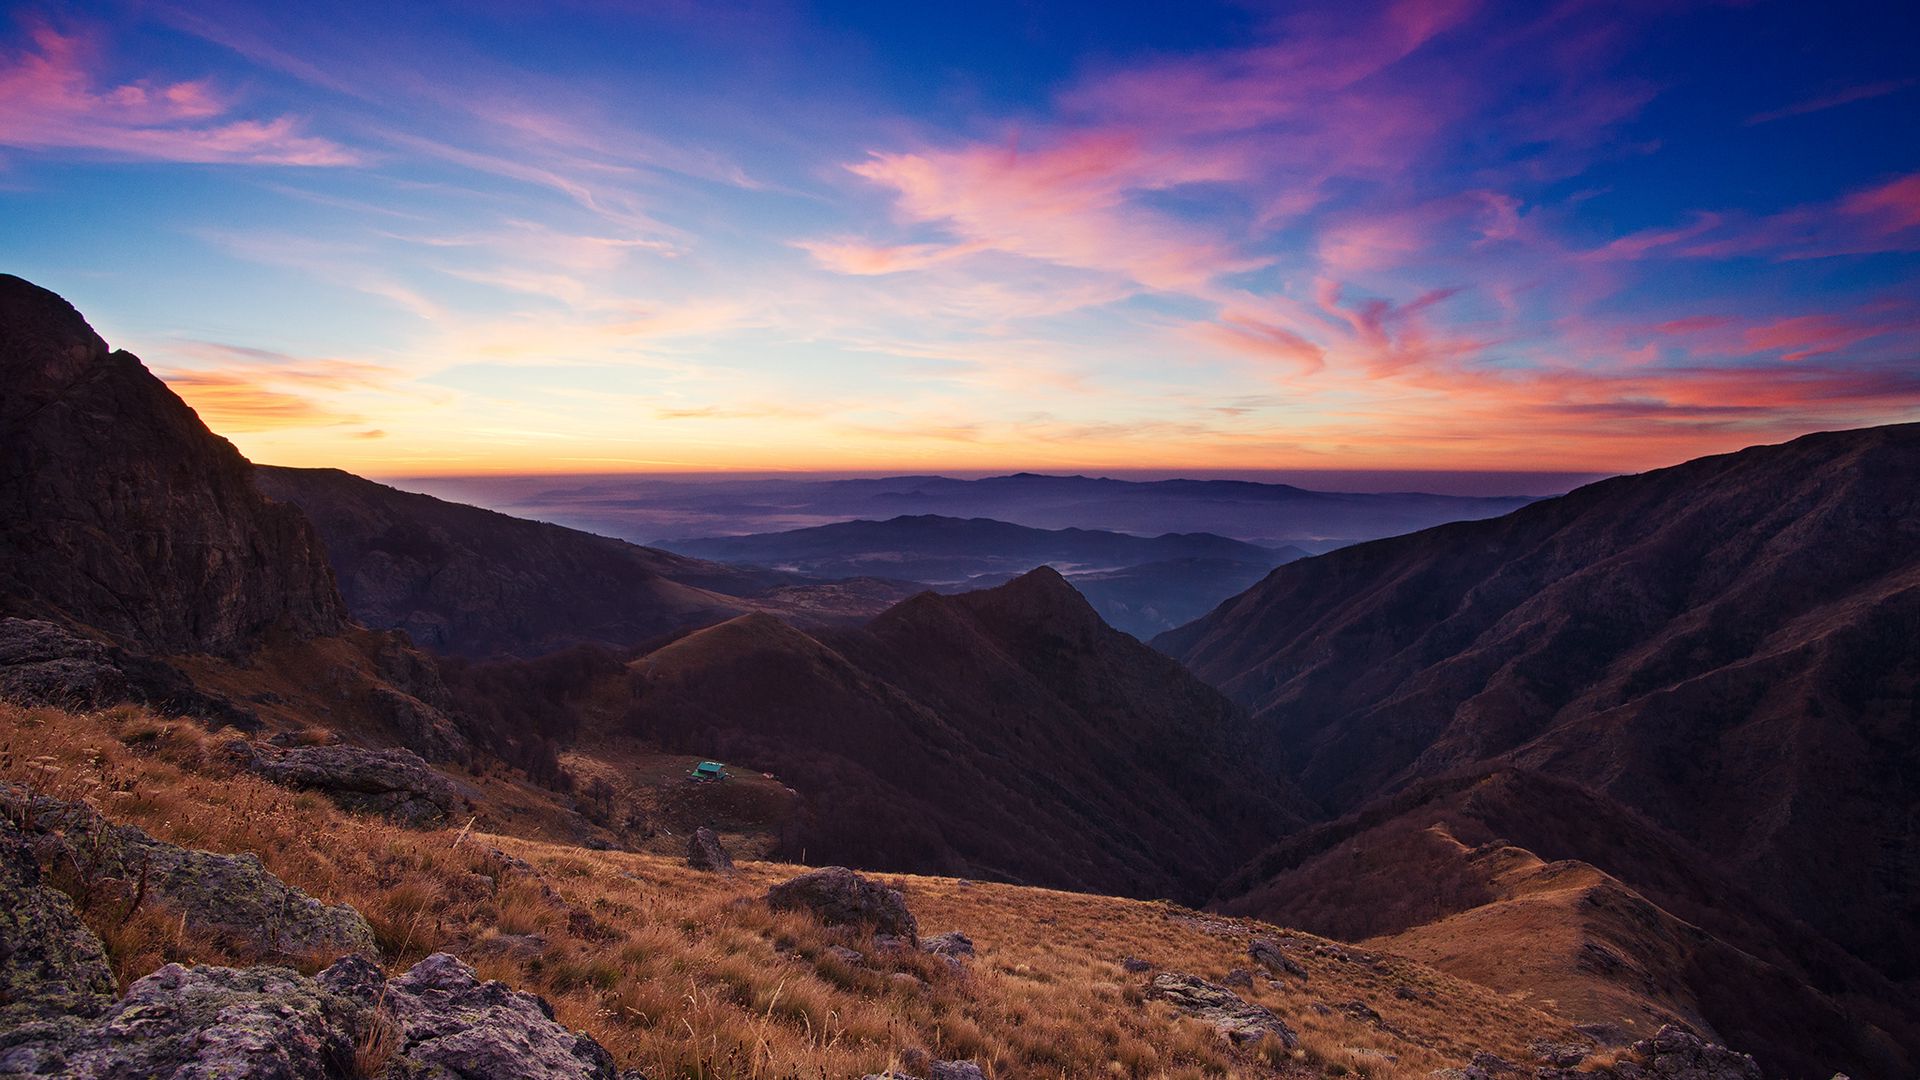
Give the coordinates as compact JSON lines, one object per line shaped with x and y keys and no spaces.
{"x":415,"y":239}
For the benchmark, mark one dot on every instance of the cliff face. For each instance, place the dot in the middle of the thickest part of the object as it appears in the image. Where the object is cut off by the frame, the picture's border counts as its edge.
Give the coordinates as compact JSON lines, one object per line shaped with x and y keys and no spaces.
{"x":120,"y":511}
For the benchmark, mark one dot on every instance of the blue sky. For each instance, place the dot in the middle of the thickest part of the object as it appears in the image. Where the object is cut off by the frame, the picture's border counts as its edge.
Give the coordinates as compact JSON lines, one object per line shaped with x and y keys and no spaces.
{"x":411,"y":239}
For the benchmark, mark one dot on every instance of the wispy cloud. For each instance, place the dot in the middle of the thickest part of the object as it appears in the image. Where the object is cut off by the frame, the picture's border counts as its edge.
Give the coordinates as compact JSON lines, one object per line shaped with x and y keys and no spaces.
{"x":52,"y":96}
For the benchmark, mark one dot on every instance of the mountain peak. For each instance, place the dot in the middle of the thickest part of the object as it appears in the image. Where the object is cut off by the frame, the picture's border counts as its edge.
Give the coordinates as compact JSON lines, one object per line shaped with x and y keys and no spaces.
{"x":42,"y":339}
{"x":180,"y":552}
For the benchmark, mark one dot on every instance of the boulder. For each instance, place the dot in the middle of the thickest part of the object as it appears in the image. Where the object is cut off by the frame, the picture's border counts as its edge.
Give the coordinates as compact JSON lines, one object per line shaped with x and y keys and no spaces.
{"x":50,"y":963}
{"x":1135,"y":965}
{"x":451,"y":1024}
{"x":396,"y":784}
{"x":1268,"y":954}
{"x":1240,"y":1021}
{"x":705,"y":852}
{"x":952,"y":945}
{"x":1239,"y":978}
{"x":262,"y":1023}
{"x":839,"y":897}
{"x":1674,"y":1053}
{"x":231,"y":895}
{"x":268,"y":1023}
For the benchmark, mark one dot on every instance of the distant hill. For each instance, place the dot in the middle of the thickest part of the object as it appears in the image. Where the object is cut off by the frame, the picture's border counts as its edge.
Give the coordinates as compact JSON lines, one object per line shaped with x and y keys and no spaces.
{"x":463,"y":580}
{"x":1140,"y":584}
{"x":1727,"y":647}
{"x":646,"y":508}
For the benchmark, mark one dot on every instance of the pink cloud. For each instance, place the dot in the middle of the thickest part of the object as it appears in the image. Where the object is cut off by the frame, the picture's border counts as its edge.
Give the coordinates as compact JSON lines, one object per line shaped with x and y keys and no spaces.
{"x":1263,"y":339}
{"x":50,"y":98}
{"x":1066,"y":203}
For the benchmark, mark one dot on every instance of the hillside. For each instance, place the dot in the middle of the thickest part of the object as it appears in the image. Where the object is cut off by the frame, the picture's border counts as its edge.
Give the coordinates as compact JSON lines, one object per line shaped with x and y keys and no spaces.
{"x":1007,"y":734}
{"x":1723,"y":647}
{"x":678,"y":972}
{"x":467,"y":581}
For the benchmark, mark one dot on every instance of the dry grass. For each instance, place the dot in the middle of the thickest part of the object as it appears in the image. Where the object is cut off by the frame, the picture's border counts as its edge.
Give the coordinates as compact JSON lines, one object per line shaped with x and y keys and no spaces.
{"x":685,"y":974}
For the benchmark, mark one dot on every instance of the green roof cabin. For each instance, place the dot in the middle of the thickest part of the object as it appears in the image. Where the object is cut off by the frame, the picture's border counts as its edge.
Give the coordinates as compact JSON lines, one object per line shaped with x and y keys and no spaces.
{"x":709,"y":770}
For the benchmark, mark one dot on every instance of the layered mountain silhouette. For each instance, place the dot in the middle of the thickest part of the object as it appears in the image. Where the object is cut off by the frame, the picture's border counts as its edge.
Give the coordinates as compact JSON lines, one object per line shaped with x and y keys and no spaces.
{"x":1008,"y":734}
{"x":1645,"y":752}
{"x":644,"y":509}
{"x":471,"y":582}
{"x":1140,"y":584}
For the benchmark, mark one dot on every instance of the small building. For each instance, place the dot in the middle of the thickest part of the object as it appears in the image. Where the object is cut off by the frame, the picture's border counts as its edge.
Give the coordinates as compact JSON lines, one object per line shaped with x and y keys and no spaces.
{"x":709,"y":770}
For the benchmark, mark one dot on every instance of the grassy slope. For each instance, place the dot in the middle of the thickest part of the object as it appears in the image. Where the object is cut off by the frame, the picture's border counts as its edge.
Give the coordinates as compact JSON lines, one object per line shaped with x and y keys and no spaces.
{"x":686,"y":975}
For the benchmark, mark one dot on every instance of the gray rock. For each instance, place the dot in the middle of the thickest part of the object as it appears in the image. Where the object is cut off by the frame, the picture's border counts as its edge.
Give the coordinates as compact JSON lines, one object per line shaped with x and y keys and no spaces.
{"x":1239,"y":1020}
{"x":953,"y":945}
{"x":839,"y":897}
{"x":267,"y":1023}
{"x":50,"y":964}
{"x":42,"y":663}
{"x":1675,"y":1053}
{"x":454,"y":1026}
{"x":1135,"y":965}
{"x":231,"y":895}
{"x":705,"y":852}
{"x":1268,"y":954}
{"x":205,"y":1023}
{"x":1558,"y":1055}
{"x":396,"y":784}
{"x":1239,"y":978}
{"x":955,"y":1070}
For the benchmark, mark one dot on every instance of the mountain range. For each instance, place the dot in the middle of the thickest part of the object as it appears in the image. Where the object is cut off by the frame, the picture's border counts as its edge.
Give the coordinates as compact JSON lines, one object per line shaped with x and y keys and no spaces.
{"x":1640,"y":755}
{"x":654,"y":510}
{"x":1140,"y":584}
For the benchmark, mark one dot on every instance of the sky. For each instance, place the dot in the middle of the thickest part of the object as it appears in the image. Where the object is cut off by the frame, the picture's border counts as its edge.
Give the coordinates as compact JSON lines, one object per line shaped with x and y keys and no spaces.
{"x":596,"y":236}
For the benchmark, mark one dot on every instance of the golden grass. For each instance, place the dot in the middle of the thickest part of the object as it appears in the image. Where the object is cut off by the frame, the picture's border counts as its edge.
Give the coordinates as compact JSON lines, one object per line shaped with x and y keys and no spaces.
{"x":685,"y":974}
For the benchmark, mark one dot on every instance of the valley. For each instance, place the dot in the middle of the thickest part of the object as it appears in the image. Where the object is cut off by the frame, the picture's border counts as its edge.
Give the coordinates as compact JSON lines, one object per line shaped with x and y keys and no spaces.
{"x":1536,"y":794}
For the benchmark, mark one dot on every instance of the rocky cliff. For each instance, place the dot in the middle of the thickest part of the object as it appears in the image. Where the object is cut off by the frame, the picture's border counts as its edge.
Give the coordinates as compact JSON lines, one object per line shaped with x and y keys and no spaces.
{"x":121,"y":512}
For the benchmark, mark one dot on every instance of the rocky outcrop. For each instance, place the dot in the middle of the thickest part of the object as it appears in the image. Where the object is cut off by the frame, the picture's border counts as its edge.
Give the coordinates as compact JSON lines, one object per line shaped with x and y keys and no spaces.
{"x":121,"y":511}
{"x":44,"y":663}
{"x":230,"y":895}
{"x":449,"y":1024}
{"x":50,"y":963}
{"x":262,"y":1023}
{"x":1675,"y":1053}
{"x":436,"y":1022}
{"x":705,"y":852}
{"x":1239,"y":1020}
{"x":396,"y":784}
{"x":839,"y":897}
{"x":1270,"y":955}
